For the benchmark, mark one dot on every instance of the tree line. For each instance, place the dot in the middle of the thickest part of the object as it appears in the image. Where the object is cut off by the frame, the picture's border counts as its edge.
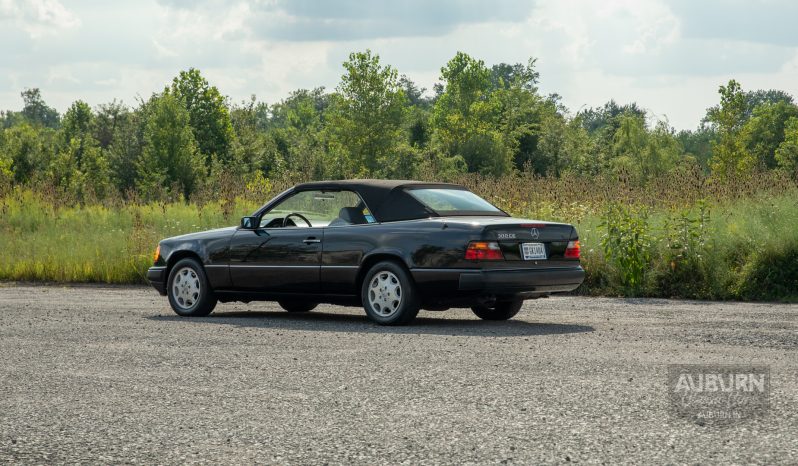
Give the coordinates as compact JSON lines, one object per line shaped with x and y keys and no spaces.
{"x":189,"y":138}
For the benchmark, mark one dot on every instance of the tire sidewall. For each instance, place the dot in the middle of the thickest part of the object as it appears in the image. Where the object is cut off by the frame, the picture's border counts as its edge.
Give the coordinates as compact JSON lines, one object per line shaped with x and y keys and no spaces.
{"x":206,"y":301}
{"x":297,"y":306}
{"x":410,"y":305}
{"x":503,"y":310}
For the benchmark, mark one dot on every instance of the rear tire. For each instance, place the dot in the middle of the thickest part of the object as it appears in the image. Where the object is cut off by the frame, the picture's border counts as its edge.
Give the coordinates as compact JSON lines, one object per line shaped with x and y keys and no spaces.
{"x":502,"y":310}
{"x":297,"y":306}
{"x":389,"y":294}
{"x":189,"y":292}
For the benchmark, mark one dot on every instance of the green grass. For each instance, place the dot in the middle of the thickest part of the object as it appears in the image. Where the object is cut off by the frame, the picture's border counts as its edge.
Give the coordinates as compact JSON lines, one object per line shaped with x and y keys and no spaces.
{"x":746,"y":249}
{"x":98,"y":243}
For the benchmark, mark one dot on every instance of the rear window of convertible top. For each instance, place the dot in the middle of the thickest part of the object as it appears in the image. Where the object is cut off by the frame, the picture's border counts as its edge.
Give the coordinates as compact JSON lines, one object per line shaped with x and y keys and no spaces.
{"x":447,"y":201}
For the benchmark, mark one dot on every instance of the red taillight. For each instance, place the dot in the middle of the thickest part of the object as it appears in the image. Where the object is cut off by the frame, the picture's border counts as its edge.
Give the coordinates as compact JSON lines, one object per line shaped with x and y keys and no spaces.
{"x":157,"y":254}
{"x":484,"y":250}
{"x":572,"y":250}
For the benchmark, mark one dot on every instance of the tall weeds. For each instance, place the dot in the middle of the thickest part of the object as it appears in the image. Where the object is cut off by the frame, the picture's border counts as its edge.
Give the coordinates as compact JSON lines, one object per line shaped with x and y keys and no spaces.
{"x":683,"y":235}
{"x":627,"y":245}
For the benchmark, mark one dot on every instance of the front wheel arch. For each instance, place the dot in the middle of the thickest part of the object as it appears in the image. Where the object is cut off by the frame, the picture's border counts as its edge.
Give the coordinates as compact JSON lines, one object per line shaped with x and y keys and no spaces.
{"x":177,"y":256}
{"x":204,"y":298}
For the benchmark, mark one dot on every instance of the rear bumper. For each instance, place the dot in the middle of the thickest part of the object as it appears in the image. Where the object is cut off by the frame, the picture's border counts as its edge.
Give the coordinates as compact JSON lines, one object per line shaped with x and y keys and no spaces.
{"x":157,"y":278}
{"x":450,"y":283}
{"x":551,"y":280}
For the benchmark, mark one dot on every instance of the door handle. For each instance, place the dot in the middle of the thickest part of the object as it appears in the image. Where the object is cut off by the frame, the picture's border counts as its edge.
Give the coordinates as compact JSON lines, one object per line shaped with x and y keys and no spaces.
{"x":311,"y":240}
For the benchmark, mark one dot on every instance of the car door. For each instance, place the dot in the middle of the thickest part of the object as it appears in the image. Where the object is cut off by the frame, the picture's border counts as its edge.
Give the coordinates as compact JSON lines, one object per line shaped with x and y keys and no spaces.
{"x":346,"y":240}
{"x":276,"y":259}
{"x":284,"y":253}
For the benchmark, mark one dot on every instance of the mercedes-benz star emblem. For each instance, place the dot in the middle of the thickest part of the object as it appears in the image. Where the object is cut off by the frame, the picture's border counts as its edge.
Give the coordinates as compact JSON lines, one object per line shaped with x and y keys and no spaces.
{"x":534,"y":233}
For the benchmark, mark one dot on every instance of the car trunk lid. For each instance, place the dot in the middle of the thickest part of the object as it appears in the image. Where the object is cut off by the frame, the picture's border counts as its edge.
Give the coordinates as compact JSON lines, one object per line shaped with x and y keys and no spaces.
{"x":530,"y":240}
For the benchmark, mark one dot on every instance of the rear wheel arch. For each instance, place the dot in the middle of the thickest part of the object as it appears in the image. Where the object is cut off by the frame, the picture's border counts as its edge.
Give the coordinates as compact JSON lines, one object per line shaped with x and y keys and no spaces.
{"x":389,"y":295}
{"x":376,"y":258}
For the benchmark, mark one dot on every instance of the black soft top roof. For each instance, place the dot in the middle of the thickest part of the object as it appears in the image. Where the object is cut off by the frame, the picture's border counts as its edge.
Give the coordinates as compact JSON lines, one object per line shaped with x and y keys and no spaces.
{"x":386,"y":199}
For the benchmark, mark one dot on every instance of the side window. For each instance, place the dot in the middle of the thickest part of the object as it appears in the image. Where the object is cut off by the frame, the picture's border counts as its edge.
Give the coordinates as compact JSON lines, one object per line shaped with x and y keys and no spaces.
{"x":318,"y":209}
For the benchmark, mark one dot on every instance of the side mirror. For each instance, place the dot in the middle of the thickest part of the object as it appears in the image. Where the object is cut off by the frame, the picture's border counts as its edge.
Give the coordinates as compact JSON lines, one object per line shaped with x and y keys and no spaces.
{"x":249,"y":223}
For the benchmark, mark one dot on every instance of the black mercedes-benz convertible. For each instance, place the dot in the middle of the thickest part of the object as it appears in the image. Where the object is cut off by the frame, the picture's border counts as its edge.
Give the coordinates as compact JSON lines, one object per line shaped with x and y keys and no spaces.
{"x":393,"y":247}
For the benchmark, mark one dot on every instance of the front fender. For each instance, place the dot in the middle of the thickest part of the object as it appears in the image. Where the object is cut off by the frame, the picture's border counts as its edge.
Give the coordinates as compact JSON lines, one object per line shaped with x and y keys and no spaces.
{"x":212,"y":253}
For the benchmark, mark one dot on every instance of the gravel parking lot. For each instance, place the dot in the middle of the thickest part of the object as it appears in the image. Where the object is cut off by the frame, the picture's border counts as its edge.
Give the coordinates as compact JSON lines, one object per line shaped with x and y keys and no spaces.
{"x":111,"y":375}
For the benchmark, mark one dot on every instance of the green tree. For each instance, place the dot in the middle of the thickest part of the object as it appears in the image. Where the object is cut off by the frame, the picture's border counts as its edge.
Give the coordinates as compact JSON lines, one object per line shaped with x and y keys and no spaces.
{"x":367,"y":116}
{"x":126,"y":144}
{"x":107,"y":120}
{"x":96,"y":170}
{"x":467,"y":82}
{"x":6,"y":172}
{"x":418,"y":127}
{"x":542,"y":149}
{"x":6,"y":175}
{"x":119,"y":134}
{"x":644,"y":154}
{"x":36,"y":110}
{"x":169,"y":161}
{"x":91,"y":161}
{"x":630,"y":141}
{"x":297,"y":129}
{"x":764,"y":131}
{"x":10,"y":118}
{"x":253,"y":150}
{"x":209,"y":115}
{"x":30,"y":150}
{"x":760,"y":97}
{"x":64,"y":172}
{"x":505,"y":75}
{"x":606,"y":119}
{"x":729,"y":156}
{"x":414,"y":94}
{"x":77,"y":121}
{"x":523,"y":119}
{"x":578,"y":154}
{"x":465,"y":120}
{"x":787,"y":152}
{"x":81,"y":171}
{"x":698,"y":144}
{"x":664,"y":151}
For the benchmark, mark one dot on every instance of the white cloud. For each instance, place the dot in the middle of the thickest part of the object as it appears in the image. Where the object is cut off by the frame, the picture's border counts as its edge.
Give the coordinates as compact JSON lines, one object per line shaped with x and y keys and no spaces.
{"x":669,"y":56}
{"x":39,"y":18}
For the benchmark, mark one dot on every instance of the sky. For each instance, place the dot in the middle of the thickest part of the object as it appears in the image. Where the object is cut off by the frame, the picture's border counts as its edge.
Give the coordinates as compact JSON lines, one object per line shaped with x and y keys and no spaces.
{"x":668,"y":56}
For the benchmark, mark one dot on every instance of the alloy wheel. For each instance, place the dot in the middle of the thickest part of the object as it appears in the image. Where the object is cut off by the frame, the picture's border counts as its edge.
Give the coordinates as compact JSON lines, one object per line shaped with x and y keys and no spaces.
{"x":385,"y":293}
{"x":186,"y":288}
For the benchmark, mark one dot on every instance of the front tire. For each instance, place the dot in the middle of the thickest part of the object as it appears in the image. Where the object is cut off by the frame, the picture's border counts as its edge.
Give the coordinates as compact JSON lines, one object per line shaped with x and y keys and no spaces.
{"x":189,"y":292}
{"x":389,"y":294}
{"x":502,"y":310}
{"x":297,"y":306}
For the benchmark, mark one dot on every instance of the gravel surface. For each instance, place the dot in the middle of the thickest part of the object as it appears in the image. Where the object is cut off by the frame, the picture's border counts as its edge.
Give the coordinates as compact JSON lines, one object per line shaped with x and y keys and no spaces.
{"x":111,"y":375}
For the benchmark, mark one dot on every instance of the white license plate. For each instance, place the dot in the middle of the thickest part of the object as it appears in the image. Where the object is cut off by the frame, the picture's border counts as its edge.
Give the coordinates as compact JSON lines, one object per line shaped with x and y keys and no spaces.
{"x":533,"y":251}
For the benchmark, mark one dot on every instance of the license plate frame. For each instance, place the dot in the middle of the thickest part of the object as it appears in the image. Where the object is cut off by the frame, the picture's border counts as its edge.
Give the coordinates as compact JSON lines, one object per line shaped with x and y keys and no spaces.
{"x":533,"y":251}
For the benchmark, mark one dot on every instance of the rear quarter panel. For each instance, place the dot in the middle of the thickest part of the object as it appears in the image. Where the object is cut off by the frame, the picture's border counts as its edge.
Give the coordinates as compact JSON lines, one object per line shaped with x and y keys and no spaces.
{"x":417,"y":243}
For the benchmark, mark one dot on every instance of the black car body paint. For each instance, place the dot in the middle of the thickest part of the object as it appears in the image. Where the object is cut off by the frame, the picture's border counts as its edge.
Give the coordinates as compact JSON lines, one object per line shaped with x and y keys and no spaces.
{"x":327,"y":264}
